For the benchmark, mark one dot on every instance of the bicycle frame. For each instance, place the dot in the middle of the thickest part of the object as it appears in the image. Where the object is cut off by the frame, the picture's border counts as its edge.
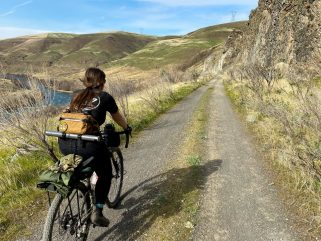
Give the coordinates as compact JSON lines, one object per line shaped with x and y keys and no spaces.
{"x":71,"y":215}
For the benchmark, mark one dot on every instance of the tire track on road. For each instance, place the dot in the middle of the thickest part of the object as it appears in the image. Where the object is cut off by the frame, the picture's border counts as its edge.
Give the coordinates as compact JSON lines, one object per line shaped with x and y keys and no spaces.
{"x":145,"y":162}
{"x":238,"y":202}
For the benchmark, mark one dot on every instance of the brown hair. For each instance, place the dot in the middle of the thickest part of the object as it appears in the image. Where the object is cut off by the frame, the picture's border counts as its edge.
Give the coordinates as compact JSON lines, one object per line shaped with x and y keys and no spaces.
{"x":94,"y":78}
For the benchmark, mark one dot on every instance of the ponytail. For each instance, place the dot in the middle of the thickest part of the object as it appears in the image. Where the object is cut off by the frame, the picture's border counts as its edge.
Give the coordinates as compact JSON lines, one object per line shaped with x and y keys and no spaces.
{"x":93,"y":81}
{"x":82,"y":99}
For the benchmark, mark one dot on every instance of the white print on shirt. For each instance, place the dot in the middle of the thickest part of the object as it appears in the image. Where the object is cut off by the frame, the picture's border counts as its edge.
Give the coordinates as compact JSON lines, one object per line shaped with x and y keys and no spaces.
{"x":94,"y":104}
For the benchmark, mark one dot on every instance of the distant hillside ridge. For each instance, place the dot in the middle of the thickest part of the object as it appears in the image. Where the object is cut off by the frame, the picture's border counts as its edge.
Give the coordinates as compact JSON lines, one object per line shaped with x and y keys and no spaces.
{"x":183,"y":51}
{"x":69,"y":49}
{"x":129,"y":56}
{"x":279,"y":33}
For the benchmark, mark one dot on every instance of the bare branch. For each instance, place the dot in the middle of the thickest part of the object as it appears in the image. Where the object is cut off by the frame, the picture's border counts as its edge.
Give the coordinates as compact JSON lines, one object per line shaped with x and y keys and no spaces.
{"x":24,"y":115}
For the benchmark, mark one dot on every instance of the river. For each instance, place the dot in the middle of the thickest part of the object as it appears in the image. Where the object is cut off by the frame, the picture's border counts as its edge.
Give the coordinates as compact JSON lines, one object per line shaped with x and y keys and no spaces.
{"x":61,"y":98}
{"x":58,"y":98}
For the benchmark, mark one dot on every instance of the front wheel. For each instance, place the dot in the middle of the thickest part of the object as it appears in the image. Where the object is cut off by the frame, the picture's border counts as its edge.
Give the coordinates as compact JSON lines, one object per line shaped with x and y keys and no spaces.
{"x":68,"y":218}
{"x":117,"y":164}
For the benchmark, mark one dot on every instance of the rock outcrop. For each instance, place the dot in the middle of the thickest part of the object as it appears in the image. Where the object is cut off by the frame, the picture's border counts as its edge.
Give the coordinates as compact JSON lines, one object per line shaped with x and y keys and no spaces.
{"x":279,"y":33}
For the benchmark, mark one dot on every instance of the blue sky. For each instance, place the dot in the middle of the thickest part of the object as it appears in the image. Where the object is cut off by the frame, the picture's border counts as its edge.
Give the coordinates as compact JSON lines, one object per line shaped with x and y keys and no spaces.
{"x":154,"y":17}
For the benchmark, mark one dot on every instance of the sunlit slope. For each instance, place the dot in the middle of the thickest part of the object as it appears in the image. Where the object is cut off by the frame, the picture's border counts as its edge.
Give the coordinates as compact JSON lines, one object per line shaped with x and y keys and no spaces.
{"x":178,"y":50}
{"x":218,"y":32}
{"x":65,"y":55}
{"x":70,"y":49}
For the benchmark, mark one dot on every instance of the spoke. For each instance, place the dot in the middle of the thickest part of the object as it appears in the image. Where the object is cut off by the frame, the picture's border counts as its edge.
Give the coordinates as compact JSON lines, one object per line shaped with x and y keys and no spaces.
{"x":72,"y":218}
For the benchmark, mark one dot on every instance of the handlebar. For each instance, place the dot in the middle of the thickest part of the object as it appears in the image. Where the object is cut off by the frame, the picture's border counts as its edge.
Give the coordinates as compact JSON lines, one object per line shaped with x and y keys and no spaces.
{"x":74,"y":136}
{"x":84,"y":137}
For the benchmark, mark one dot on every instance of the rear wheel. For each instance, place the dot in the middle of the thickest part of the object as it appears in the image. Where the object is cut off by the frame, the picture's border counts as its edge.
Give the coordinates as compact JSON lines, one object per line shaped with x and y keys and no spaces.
{"x":68,"y":218}
{"x":113,"y":197}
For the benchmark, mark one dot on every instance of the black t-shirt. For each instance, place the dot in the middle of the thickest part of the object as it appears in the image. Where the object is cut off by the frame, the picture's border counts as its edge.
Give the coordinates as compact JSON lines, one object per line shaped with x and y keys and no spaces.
{"x":101,"y":104}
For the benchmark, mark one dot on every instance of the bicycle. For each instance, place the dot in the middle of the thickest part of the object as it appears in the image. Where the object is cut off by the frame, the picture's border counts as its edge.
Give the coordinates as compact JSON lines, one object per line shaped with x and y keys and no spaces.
{"x":69,"y":218}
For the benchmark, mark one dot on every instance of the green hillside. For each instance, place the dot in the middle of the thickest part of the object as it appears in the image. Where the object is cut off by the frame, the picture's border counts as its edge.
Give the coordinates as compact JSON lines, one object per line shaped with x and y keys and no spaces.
{"x":218,"y":32}
{"x":69,"y":49}
{"x":64,"y":56}
{"x":180,"y":49}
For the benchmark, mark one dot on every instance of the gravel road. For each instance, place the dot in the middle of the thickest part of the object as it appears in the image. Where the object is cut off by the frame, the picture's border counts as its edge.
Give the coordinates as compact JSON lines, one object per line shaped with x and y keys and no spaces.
{"x":239,"y":202}
{"x":145,"y":162}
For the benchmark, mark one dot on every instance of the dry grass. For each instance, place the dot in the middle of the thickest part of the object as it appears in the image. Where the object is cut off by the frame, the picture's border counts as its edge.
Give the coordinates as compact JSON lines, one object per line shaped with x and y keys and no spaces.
{"x":142,"y":103}
{"x":286,"y":120}
{"x":24,"y":116}
{"x":18,"y":192}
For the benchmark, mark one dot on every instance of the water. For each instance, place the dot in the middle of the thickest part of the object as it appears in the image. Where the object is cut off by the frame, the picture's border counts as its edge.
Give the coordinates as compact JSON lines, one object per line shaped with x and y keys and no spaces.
{"x":61,"y":99}
{"x":58,"y":98}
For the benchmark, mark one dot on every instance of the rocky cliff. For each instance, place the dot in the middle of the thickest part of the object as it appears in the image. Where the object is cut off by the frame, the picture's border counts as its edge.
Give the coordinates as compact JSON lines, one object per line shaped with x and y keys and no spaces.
{"x":279,"y":33}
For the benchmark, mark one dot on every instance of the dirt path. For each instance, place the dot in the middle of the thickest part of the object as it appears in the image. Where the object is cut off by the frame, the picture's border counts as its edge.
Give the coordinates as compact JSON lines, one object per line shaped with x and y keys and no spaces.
{"x":144,"y":164}
{"x":239,"y":203}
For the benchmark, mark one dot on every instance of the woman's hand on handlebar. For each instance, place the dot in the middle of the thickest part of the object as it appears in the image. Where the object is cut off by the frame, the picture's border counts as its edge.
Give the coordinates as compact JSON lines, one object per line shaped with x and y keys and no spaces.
{"x":128,"y":130}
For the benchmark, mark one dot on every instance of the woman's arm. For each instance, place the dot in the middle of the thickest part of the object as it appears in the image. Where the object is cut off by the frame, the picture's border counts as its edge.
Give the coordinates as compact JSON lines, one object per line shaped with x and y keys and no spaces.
{"x":119,"y":119}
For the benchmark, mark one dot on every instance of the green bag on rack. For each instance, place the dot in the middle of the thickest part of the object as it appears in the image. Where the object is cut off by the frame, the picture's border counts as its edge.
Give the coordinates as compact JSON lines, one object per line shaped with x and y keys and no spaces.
{"x":57,"y":178}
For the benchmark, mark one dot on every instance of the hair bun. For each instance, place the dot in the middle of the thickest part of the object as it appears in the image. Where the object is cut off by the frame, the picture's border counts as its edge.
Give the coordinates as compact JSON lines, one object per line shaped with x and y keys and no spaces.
{"x":94,"y":77}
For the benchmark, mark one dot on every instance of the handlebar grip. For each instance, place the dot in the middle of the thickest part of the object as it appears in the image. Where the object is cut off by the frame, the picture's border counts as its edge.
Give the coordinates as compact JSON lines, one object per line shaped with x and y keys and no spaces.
{"x":90,"y":138}
{"x":127,"y":136}
{"x":127,"y":140}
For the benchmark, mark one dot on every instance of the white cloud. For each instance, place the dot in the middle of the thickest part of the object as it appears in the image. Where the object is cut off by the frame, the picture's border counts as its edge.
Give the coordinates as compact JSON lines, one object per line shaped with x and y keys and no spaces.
{"x":14,"y":8}
{"x":203,"y":2}
{"x":23,"y":4}
{"x":169,"y":23}
{"x":7,"y":13}
{"x":11,"y":32}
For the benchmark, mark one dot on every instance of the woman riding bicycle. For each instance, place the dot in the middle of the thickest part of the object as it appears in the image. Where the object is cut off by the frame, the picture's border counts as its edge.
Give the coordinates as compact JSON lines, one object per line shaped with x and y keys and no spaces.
{"x":96,"y":102}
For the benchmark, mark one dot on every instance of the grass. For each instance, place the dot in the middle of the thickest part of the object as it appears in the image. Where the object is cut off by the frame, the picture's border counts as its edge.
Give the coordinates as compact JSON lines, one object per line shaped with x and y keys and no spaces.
{"x":69,"y":53}
{"x":18,"y":178}
{"x":300,"y":187}
{"x":143,"y":115}
{"x":220,"y":31}
{"x":18,"y":192}
{"x":194,"y":160}
{"x":179,"y":195}
{"x":56,"y":50}
{"x":165,"y":52}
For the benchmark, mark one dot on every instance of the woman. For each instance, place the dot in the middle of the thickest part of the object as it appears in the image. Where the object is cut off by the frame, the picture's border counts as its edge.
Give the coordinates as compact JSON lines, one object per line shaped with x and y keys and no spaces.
{"x":97,"y":102}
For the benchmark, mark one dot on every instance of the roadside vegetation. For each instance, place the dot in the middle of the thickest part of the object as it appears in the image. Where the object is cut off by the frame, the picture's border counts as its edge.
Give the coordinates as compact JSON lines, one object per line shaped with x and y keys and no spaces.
{"x":25,"y":151}
{"x":285,"y":117}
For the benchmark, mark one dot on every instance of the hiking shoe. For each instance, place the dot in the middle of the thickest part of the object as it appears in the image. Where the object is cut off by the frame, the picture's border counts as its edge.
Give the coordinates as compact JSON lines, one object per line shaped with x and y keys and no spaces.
{"x":98,"y":219}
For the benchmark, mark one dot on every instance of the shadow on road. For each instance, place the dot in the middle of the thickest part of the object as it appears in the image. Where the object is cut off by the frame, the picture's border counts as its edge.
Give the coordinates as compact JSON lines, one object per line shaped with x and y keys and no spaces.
{"x":142,"y":202}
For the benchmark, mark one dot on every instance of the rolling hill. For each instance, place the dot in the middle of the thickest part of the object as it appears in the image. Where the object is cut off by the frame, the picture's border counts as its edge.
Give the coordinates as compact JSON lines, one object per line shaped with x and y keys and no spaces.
{"x":178,"y":50}
{"x":66,"y":56}
{"x":58,"y":49}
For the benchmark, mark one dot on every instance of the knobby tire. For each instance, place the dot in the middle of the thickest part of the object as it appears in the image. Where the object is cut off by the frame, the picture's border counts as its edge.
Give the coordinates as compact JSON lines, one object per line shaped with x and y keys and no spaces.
{"x":51,"y":219}
{"x":117,"y":162}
